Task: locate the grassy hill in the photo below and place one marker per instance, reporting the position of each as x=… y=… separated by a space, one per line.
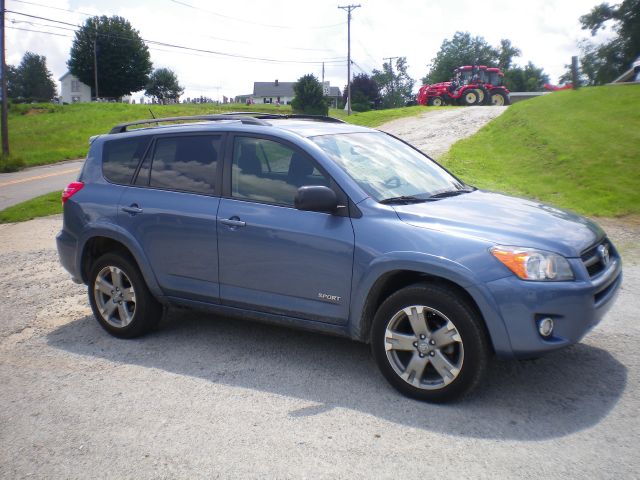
x=46 y=133
x=574 y=149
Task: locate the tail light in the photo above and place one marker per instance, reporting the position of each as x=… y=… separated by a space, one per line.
x=71 y=190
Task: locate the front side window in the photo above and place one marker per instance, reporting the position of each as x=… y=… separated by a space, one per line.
x=385 y=167
x=268 y=171
x=186 y=163
x=75 y=86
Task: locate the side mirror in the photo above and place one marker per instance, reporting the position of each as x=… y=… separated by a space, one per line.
x=316 y=198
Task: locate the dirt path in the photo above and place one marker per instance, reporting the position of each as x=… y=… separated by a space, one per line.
x=436 y=130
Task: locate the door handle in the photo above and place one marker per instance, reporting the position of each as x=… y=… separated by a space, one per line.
x=233 y=222
x=133 y=209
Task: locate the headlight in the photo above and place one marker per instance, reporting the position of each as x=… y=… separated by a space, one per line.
x=531 y=264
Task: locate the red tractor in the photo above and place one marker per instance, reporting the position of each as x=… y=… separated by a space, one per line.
x=471 y=85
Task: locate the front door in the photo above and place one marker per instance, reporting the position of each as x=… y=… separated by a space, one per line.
x=272 y=257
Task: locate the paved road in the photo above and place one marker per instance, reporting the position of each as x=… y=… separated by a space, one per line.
x=20 y=186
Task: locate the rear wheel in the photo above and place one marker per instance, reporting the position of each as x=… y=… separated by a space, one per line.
x=435 y=101
x=499 y=99
x=469 y=97
x=120 y=299
x=429 y=343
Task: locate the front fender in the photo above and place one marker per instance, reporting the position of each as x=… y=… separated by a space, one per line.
x=433 y=266
x=115 y=232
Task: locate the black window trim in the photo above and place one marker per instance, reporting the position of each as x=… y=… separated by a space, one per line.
x=150 y=152
x=343 y=199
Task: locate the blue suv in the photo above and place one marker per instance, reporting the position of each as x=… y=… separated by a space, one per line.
x=332 y=227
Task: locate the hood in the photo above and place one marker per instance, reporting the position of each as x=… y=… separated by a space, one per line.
x=505 y=220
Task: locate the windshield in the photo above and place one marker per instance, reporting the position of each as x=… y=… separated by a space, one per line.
x=384 y=167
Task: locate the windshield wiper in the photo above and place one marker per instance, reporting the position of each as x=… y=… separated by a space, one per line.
x=403 y=199
x=451 y=193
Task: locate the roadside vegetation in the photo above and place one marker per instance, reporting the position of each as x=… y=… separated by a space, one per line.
x=48 y=133
x=574 y=149
x=41 y=206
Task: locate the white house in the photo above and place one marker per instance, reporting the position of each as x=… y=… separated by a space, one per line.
x=73 y=90
x=282 y=93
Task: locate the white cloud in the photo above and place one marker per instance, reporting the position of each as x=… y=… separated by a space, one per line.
x=546 y=31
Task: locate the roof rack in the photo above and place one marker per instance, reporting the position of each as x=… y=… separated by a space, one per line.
x=302 y=116
x=122 y=127
x=248 y=118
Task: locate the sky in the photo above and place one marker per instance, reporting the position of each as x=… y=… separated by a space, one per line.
x=287 y=38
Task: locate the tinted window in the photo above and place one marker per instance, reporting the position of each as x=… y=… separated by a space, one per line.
x=185 y=163
x=268 y=171
x=120 y=158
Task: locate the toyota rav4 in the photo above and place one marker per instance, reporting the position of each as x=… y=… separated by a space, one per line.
x=332 y=227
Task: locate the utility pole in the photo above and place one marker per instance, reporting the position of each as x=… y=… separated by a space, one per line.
x=95 y=64
x=391 y=67
x=349 y=9
x=3 y=72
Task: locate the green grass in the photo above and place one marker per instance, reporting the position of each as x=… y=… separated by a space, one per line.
x=375 y=118
x=574 y=149
x=46 y=133
x=42 y=206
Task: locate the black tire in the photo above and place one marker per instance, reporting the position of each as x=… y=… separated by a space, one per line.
x=469 y=97
x=464 y=354
x=122 y=312
x=435 y=102
x=499 y=98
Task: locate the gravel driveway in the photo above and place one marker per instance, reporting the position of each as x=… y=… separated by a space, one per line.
x=207 y=397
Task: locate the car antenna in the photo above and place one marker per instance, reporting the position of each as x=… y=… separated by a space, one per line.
x=153 y=116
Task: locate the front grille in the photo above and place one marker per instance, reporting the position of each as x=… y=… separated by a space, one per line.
x=593 y=260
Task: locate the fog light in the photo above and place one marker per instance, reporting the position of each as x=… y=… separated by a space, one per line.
x=545 y=326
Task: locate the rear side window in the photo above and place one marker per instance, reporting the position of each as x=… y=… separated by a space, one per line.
x=185 y=163
x=120 y=158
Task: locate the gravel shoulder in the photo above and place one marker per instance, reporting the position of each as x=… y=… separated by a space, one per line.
x=436 y=130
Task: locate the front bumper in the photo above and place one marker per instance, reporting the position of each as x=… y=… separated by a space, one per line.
x=575 y=307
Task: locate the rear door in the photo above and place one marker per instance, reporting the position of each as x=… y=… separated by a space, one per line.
x=171 y=211
x=272 y=257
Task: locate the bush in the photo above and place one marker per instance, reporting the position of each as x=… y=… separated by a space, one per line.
x=11 y=164
x=309 y=98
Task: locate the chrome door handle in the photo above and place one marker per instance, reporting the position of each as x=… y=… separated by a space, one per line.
x=234 y=222
x=132 y=210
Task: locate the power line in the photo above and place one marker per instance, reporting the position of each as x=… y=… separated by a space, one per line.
x=241 y=20
x=183 y=47
x=53 y=8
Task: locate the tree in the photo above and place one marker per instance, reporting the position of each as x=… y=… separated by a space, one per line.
x=13 y=82
x=31 y=81
x=603 y=63
x=527 y=79
x=163 y=85
x=462 y=49
x=123 y=58
x=395 y=86
x=365 y=92
x=309 y=96
x=506 y=54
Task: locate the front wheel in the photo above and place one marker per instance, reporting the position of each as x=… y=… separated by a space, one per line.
x=499 y=99
x=435 y=102
x=469 y=97
x=429 y=343
x=120 y=299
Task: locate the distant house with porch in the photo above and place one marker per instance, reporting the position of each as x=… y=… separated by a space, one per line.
x=73 y=90
x=282 y=93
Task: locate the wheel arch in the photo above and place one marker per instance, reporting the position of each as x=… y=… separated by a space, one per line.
x=392 y=280
x=101 y=241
